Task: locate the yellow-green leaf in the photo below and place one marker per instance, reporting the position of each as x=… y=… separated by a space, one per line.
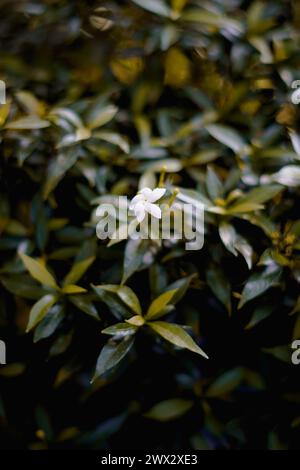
x=4 y=112
x=159 y=304
x=126 y=295
x=78 y=270
x=40 y=309
x=176 y=335
x=169 y=409
x=38 y=271
x=137 y=320
x=177 y=68
x=73 y=289
x=27 y=123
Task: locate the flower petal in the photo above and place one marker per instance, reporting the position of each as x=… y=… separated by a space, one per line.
x=146 y=192
x=138 y=198
x=153 y=209
x=140 y=211
x=156 y=194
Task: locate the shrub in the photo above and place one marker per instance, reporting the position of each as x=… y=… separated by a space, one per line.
x=108 y=342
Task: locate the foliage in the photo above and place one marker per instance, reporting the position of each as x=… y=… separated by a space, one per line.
x=109 y=343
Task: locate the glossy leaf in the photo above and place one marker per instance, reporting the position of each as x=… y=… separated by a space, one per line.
x=158 y=305
x=176 y=335
x=39 y=310
x=38 y=271
x=112 y=353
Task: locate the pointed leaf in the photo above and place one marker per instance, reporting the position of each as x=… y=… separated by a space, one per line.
x=73 y=289
x=27 y=123
x=176 y=335
x=85 y=304
x=169 y=409
x=259 y=283
x=38 y=271
x=49 y=323
x=112 y=353
x=158 y=305
x=103 y=117
x=120 y=329
x=213 y=184
x=78 y=270
x=226 y=136
x=39 y=310
x=154 y=6
x=126 y=295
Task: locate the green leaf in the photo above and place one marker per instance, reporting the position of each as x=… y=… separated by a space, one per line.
x=213 y=184
x=27 y=123
x=259 y=283
x=169 y=409
x=120 y=329
x=212 y=19
x=102 y=117
x=158 y=305
x=113 y=138
x=57 y=169
x=73 y=289
x=112 y=353
x=30 y=103
x=78 y=270
x=242 y=207
x=137 y=320
x=235 y=243
x=154 y=6
x=259 y=195
x=296 y=330
x=226 y=136
x=283 y=353
x=259 y=315
x=226 y=383
x=4 y=112
x=38 y=271
x=49 y=323
x=288 y=176
x=126 y=295
x=295 y=139
x=176 y=335
x=23 y=286
x=40 y=309
x=133 y=258
x=180 y=288
x=118 y=308
x=220 y=286
x=85 y=304
x=193 y=197
x=13 y=370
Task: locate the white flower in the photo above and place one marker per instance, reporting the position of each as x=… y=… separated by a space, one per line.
x=144 y=202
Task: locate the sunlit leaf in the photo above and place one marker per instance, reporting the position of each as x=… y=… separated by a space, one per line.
x=38 y=271
x=40 y=309
x=176 y=335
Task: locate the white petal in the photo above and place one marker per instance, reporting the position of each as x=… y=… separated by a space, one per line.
x=153 y=209
x=156 y=194
x=138 y=198
x=140 y=211
x=146 y=192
